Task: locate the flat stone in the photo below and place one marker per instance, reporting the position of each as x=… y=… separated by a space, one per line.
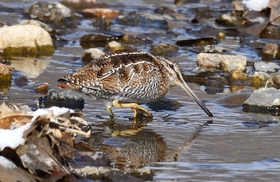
x=228 y=63
x=267 y=97
x=266 y=66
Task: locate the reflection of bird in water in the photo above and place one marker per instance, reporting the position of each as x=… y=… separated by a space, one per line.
x=135 y=151
x=128 y=78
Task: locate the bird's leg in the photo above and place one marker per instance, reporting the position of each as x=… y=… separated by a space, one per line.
x=109 y=109
x=133 y=106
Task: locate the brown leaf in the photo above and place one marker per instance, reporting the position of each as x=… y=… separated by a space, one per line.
x=37 y=155
x=15 y=174
x=12 y=119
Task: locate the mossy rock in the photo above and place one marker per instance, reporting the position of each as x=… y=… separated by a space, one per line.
x=46 y=50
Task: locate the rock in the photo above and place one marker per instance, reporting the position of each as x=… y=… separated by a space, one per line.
x=197 y=42
x=100 y=13
x=37 y=23
x=49 y=12
x=213 y=49
x=91 y=54
x=270 y=50
x=215 y=86
x=113 y=46
x=266 y=66
x=133 y=40
x=26 y=39
x=164 y=10
x=274 y=81
x=228 y=63
x=21 y=81
x=66 y=99
x=145 y=20
x=238 y=75
x=42 y=88
x=5 y=79
x=5 y=74
x=270 y=32
x=228 y=20
x=113 y=176
x=264 y=100
x=258 y=79
x=163 y=49
x=164 y=104
x=99 y=39
x=81 y=4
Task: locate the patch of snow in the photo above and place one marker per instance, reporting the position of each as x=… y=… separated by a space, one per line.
x=6 y=163
x=13 y=138
x=255 y=5
x=56 y=111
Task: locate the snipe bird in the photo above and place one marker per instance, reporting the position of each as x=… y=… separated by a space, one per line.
x=128 y=78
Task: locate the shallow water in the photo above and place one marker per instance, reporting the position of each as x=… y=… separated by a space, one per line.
x=183 y=148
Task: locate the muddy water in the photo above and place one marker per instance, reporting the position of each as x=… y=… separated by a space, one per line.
x=236 y=146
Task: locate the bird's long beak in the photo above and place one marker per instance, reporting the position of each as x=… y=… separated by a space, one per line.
x=184 y=85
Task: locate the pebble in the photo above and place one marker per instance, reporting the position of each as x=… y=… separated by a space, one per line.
x=101 y=13
x=270 y=49
x=92 y=53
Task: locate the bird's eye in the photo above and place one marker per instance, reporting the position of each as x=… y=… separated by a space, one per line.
x=171 y=66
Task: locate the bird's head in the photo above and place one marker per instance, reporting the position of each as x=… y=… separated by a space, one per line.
x=175 y=77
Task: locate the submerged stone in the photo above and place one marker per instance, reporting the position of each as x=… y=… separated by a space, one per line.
x=163 y=49
x=145 y=20
x=100 y=39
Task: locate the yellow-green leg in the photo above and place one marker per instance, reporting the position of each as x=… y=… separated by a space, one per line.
x=109 y=109
x=133 y=106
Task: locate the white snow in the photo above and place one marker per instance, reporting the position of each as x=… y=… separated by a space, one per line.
x=255 y=5
x=13 y=138
x=6 y=163
x=56 y=111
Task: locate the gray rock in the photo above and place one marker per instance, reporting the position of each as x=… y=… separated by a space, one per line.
x=213 y=49
x=49 y=12
x=266 y=97
x=266 y=66
x=66 y=99
x=228 y=63
x=146 y=20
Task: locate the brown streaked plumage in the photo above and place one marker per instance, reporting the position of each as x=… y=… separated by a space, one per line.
x=128 y=78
